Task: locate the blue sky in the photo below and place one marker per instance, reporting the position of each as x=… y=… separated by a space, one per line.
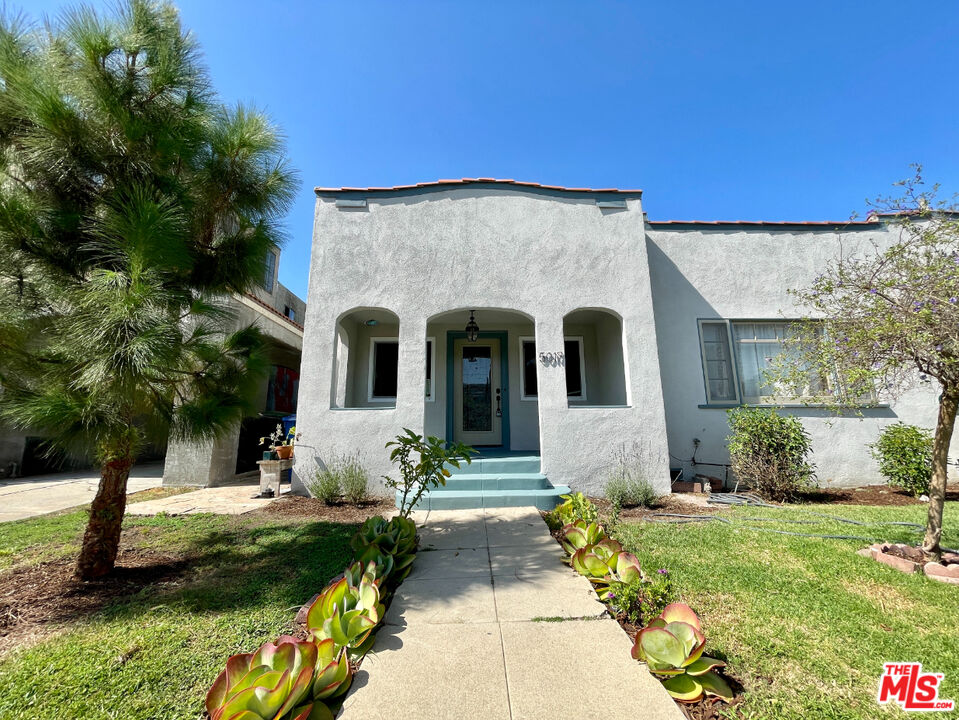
x=732 y=110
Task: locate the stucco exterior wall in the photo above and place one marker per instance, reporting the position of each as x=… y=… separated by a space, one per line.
x=734 y=272
x=542 y=254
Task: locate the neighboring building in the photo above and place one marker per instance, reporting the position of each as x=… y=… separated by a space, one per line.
x=279 y=315
x=600 y=334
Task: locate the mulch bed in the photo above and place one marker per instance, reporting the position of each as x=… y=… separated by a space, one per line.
x=870 y=495
x=37 y=600
x=304 y=507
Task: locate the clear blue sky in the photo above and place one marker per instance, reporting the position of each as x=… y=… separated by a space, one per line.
x=718 y=110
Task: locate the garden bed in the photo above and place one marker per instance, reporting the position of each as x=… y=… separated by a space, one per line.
x=875 y=495
x=296 y=506
x=910 y=559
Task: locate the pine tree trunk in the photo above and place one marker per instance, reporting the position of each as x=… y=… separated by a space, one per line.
x=102 y=537
x=948 y=403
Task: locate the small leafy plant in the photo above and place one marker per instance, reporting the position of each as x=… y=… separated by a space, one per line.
x=280 y=439
x=575 y=506
x=355 y=480
x=672 y=648
x=904 y=453
x=343 y=476
x=769 y=452
x=422 y=464
x=642 y=599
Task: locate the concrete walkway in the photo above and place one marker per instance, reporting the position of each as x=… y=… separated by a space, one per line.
x=226 y=500
x=40 y=494
x=491 y=624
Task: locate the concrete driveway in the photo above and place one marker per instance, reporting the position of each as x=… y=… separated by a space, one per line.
x=40 y=494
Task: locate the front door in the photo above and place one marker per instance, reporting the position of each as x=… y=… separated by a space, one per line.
x=477 y=396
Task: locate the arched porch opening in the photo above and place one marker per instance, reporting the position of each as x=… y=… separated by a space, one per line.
x=365 y=359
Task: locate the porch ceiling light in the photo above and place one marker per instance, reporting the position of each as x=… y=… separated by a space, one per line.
x=472 y=329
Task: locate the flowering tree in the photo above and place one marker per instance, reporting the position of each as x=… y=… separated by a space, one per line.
x=890 y=316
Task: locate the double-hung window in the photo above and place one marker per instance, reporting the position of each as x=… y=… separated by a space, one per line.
x=737 y=355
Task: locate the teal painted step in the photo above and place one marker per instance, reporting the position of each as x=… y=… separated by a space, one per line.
x=509 y=465
x=442 y=499
x=495 y=481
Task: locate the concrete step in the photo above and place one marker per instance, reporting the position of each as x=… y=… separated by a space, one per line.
x=495 y=481
x=544 y=499
x=510 y=464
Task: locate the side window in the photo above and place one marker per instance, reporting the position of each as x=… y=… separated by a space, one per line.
x=528 y=370
x=430 y=361
x=718 y=368
x=384 y=363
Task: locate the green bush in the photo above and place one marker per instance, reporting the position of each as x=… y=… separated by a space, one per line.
x=768 y=452
x=904 y=453
x=422 y=464
x=642 y=600
x=575 y=506
x=628 y=487
x=355 y=480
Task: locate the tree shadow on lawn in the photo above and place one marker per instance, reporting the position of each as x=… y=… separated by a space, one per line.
x=234 y=568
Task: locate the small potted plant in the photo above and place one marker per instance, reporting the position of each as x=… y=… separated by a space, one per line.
x=282 y=444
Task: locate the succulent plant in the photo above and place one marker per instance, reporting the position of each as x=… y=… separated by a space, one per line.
x=333 y=673
x=348 y=610
x=272 y=683
x=379 y=538
x=579 y=534
x=672 y=646
x=604 y=563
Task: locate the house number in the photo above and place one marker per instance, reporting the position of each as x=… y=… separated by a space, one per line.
x=556 y=359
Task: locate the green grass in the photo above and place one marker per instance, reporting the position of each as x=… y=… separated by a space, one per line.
x=155 y=653
x=806 y=623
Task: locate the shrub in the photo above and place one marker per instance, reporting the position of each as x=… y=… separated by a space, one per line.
x=904 y=453
x=626 y=487
x=768 y=452
x=576 y=506
x=643 y=599
x=326 y=485
x=355 y=480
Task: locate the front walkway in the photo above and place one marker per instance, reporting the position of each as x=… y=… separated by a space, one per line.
x=223 y=500
x=40 y=494
x=491 y=624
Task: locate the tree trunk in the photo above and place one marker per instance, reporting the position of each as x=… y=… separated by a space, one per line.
x=102 y=537
x=948 y=403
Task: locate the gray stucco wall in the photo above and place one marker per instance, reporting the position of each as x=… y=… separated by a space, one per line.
x=537 y=253
x=735 y=272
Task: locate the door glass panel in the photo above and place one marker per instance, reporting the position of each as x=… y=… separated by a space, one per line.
x=477 y=393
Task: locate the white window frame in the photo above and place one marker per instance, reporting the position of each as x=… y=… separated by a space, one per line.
x=522 y=370
x=581 y=398
x=733 y=361
x=431 y=359
x=371 y=368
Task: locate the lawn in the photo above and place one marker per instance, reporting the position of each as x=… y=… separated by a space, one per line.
x=195 y=589
x=806 y=623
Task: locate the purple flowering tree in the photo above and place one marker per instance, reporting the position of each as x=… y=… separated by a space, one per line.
x=890 y=318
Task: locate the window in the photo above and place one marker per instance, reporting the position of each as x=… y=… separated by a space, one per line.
x=736 y=356
x=575 y=368
x=430 y=362
x=384 y=363
x=527 y=346
x=269 y=271
x=289 y=312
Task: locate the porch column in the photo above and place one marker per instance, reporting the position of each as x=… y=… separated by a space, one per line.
x=550 y=382
x=411 y=374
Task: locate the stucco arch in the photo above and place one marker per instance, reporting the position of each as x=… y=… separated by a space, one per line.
x=364 y=335
x=595 y=357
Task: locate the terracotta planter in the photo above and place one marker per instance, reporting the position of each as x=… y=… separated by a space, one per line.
x=284 y=452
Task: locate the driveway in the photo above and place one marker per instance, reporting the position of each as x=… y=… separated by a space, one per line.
x=40 y=494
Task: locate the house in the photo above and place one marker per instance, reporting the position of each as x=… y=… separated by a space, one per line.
x=279 y=314
x=559 y=329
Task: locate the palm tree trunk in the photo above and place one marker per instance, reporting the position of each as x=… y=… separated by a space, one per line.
x=948 y=404
x=102 y=537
